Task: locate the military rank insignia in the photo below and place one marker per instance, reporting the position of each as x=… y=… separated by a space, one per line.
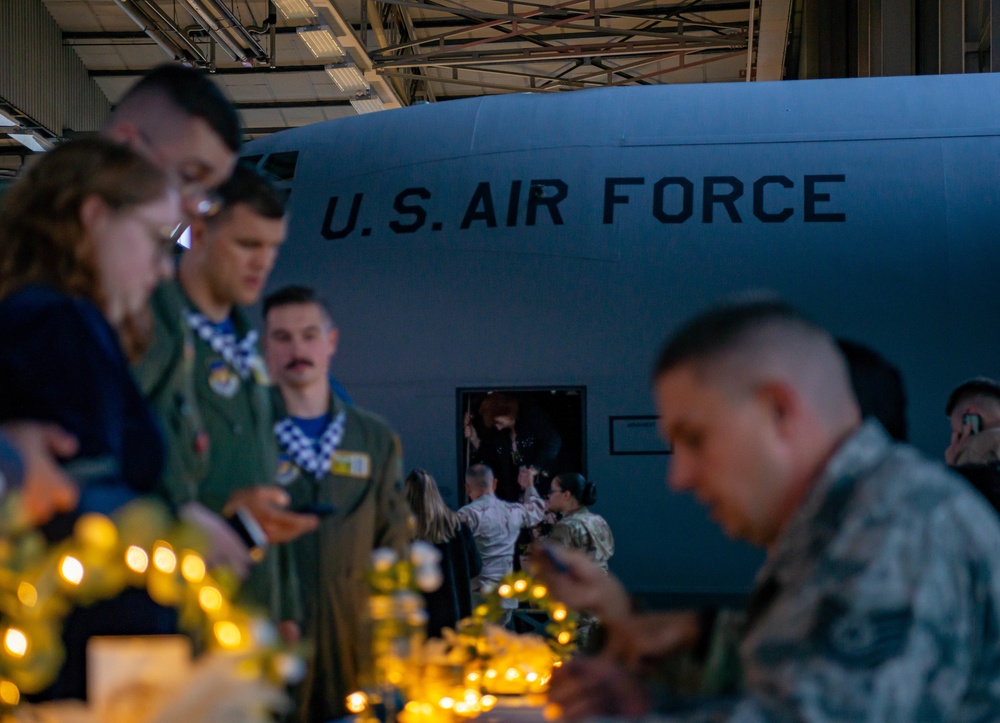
x=351 y=464
x=288 y=472
x=223 y=380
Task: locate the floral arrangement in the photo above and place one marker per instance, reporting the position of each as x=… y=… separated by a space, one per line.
x=460 y=675
x=142 y=546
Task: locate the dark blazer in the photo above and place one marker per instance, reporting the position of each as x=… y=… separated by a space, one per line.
x=60 y=361
x=453 y=600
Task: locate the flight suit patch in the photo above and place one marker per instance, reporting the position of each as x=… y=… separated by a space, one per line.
x=288 y=471
x=223 y=380
x=351 y=464
x=259 y=370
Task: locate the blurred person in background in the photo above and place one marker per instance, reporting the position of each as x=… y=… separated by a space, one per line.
x=460 y=562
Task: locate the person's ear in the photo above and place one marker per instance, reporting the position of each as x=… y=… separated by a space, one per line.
x=199 y=232
x=127 y=134
x=93 y=213
x=332 y=340
x=782 y=406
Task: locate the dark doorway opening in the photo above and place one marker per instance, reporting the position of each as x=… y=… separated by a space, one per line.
x=542 y=413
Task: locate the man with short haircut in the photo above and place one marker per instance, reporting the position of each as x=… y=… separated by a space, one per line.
x=181 y=121
x=880 y=595
x=335 y=455
x=973 y=408
x=208 y=384
x=496 y=524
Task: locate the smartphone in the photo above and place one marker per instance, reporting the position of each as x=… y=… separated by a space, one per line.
x=317 y=508
x=551 y=557
x=974 y=421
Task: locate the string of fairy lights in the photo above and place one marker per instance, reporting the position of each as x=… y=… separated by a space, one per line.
x=143 y=547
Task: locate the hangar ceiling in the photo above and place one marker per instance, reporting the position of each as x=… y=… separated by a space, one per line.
x=411 y=50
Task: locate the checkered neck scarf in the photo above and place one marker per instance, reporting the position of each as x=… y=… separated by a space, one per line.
x=311 y=458
x=238 y=354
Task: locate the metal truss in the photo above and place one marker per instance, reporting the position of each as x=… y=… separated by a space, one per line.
x=525 y=45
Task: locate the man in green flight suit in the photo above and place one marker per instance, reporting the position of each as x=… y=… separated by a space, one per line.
x=208 y=383
x=333 y=454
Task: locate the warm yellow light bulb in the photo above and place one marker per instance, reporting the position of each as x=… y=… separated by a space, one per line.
x=564 y=637
x=71 y=570
x=357 y=702
x=559 y=614
x=164 y=558
x=228 y=634
x=491 y=673
x=472 y=677
x=487 y=702
x=505 y=590
x=520 y=585
x=15 y=642
x=136 y=559
x=95 y=530
x=9 y=694
x=462 y=707
x=531 y=677
x=539 y=591
x=446 y=703
x=27 y=594
x=193 y=568
x=210 y=599
x=512 y=674
x=471 y=697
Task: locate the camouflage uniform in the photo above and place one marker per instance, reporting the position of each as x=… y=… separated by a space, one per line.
x=583 y=530
x=881 y=600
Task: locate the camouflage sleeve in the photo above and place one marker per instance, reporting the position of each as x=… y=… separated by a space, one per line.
x=891 y=624
x=531 y=510
x=466 y=515
x=393 y=510
x=563 y=534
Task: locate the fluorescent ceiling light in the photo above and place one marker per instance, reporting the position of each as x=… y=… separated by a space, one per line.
x=6 y=120
x=32 y=140
x=348 y=78
x=295 y=9
x=320 y=41
x=368 y=105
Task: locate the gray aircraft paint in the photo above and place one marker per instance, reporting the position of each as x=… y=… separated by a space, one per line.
x=890 y=240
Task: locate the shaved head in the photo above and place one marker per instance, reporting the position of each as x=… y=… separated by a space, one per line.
x=479 y=477
x=738 y=347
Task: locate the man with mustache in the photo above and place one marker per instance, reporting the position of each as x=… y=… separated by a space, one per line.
x=336 y=455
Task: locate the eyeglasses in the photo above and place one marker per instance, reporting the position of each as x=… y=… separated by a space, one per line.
x=206 y=202
x=191 y=186
x=165 y=237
